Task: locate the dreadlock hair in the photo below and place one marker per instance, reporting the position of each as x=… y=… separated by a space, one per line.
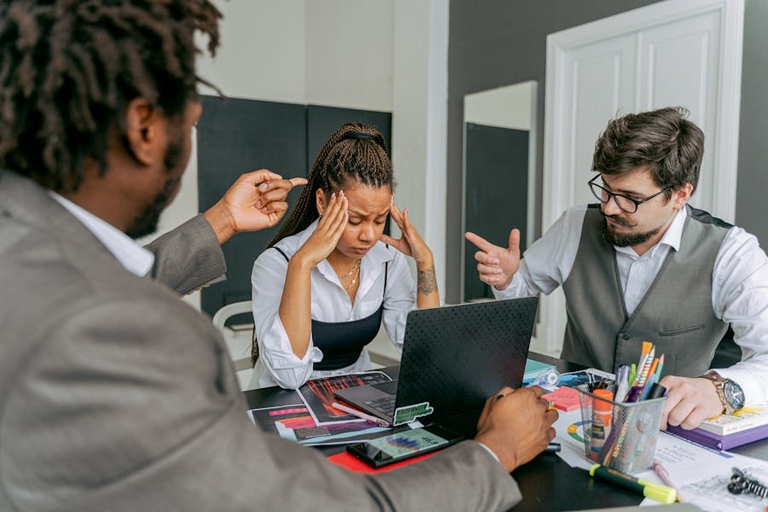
x=354 y=152
x=663 y=140
x=68 y=69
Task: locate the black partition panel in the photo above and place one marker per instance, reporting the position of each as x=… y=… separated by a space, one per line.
x=496 y=193
x=236 y=136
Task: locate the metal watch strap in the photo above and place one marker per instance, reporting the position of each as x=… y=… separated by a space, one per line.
x=717 y=380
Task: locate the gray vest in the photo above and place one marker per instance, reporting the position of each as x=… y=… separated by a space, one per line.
x=675 y=314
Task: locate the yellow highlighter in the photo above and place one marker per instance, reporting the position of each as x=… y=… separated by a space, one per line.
x=658 y=492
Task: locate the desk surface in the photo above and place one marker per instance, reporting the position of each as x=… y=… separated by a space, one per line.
x=575 y=489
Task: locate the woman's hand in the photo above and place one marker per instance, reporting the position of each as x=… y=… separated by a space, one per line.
x=411 y=243
x=323 y=241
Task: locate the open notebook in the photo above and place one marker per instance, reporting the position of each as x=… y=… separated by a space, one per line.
x=454 y=358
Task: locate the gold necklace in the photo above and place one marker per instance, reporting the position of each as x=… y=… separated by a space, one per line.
x=356 y=271
x=352 y=270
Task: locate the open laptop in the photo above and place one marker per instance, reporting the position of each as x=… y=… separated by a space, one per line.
x=454 y=358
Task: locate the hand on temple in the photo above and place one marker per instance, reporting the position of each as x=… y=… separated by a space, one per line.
x=411 y=243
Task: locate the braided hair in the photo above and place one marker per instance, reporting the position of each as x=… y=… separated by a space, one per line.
x=69 y=68
x=354 y=152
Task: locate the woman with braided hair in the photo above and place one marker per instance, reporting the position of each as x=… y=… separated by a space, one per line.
x=331 y=277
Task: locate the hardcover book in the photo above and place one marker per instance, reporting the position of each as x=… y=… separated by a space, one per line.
x=745 y=419
x=720 y=442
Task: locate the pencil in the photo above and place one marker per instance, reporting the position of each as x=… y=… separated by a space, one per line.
x=662 y=473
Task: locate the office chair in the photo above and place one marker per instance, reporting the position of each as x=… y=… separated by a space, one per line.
x=238 y=337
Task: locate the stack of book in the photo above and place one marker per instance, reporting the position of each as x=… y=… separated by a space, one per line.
x=729 y=430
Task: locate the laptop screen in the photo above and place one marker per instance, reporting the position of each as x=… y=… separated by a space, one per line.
x=455 y=357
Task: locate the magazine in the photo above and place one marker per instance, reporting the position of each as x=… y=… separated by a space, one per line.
x=317 y=395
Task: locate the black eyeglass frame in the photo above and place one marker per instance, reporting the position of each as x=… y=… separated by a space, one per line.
x=613 y=196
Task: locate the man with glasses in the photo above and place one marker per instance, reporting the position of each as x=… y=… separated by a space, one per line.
x=643 y=265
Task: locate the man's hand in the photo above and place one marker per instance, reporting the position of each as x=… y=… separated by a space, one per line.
x=689 y=401
x=257 y=200
x=517 y=426
x=496 y=265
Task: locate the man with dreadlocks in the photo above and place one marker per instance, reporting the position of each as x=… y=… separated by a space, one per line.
x=114 y=394
x=327 y=283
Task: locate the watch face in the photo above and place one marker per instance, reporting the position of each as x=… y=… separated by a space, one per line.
x=733 y=394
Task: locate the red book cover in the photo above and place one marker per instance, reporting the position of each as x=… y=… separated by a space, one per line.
x=355 y=465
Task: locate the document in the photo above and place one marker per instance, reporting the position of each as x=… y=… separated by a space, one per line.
x=702 y=475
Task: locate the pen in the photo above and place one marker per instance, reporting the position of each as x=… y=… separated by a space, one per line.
x=360 y=414
x=552 y=448
x=662 y=473
x=658 y=492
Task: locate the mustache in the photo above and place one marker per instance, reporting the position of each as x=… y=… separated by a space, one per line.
x=619 y=220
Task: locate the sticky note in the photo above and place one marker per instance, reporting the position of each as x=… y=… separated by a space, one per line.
x=564 y=398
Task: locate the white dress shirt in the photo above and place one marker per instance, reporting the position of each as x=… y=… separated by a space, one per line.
x=277 y=364
x=136 y=259
x=739 y=285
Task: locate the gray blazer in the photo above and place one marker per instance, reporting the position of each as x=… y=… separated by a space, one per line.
x=115 y=395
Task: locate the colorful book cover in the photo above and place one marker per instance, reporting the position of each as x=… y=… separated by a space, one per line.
x=746 y=418
x=534 y=368
x=317 y=395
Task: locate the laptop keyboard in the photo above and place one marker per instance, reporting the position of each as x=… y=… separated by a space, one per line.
x=385 y=405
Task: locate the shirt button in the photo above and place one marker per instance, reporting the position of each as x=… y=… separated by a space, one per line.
x=625 y=336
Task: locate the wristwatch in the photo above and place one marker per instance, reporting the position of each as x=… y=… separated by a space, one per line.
x=731 y=395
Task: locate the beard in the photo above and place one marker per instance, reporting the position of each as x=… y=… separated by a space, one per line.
x=625 y=239
x=146 y=223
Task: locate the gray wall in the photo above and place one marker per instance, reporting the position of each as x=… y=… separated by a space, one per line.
x=752 y=187
x=500 y=42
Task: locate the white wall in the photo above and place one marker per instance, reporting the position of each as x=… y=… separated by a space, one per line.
x=381 y=55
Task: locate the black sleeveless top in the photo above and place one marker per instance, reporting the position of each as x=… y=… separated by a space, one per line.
x=342 y=342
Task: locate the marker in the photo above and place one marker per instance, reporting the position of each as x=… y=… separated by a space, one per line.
x=658 y=492
x=661 y=472
x=552 y=448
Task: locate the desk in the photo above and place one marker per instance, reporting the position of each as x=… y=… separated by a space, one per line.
x=547 y=483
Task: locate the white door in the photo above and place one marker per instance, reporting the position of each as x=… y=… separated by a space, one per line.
x=677 y=52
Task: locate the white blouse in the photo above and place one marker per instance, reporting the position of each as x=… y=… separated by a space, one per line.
x=277 y=364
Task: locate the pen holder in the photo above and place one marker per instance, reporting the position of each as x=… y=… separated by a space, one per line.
x=621 y=436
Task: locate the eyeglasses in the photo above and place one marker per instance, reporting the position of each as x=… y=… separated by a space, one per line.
x=626 y=204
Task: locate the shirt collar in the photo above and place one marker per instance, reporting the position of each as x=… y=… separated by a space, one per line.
x=134 y=258
x=674 y=233
x=671 y=238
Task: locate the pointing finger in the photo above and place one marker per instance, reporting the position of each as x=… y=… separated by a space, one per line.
x=480 y=242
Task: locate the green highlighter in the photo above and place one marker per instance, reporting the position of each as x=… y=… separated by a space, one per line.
x=658 y=492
